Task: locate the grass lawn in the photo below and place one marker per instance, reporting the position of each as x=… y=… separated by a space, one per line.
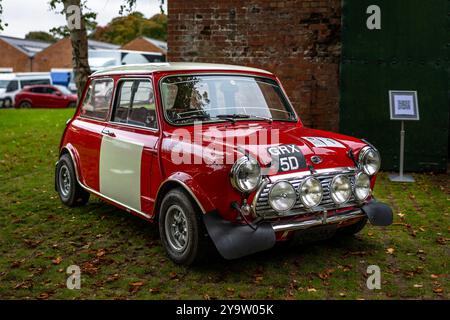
x=120 y=256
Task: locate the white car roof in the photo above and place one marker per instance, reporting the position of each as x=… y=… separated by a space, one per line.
x=174 y=66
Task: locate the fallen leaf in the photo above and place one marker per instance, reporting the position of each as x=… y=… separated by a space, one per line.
x=230 y=290
x=206 y=296
x=342 y=294
x=101 y=253
x=390 y=250
x=136 y=286
x=244 y=295
x=434 y=276
x=154 y=290
x=57 y=260
x=418 y=286
x=312 y=290
x=401 y=215
x=438 y=290
x=173 y=275
x=43 y=296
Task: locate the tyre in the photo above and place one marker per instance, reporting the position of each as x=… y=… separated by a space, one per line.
x=181 y=229
x=72 y=105
x=353 y=228
x=7 y=103
x=25 y=105
x=69 y=190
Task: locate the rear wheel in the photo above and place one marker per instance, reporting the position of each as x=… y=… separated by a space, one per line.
x=25 y=105
x=72 y=105
x=69 y=190
x=181 y=229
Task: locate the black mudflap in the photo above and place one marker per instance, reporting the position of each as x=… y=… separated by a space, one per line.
x=234 y=241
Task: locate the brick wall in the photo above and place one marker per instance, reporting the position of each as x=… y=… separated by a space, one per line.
x=58 y=55
x=298 y=40
x=10 y=57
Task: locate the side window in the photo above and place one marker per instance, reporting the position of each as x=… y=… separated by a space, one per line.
x=98 y=99
x=135 y=104
x=25 y=83
x=39 y=90
x=12 y=86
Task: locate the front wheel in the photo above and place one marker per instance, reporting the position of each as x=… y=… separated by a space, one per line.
x=7 y=103
x=182 y=232
x=25 y=105
x=69 y=190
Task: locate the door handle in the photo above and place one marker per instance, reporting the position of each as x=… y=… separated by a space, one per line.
x=108 y=133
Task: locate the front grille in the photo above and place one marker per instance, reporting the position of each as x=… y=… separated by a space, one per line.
x=263 y=209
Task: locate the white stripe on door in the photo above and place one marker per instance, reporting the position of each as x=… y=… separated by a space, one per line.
x=120 y=171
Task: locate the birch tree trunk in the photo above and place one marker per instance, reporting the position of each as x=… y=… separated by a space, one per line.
x=78 y=38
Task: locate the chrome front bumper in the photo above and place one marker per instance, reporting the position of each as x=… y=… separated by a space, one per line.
x=318 y=221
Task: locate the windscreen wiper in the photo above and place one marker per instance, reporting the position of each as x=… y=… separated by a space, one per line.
x=194 y=116
x=234 y=116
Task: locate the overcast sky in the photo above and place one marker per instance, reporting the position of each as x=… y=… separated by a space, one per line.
x=23 y=16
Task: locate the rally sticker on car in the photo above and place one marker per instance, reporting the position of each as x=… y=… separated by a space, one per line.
x=324 y=142
x=287 y=157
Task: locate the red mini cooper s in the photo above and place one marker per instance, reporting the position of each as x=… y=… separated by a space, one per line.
x=217 y=156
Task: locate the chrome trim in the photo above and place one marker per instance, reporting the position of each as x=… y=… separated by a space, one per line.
x=354 y=187
x=361 y=156
x=318 y=221
x=308 y=173
x=261 y=208
x=331 y=189
x=235 y=169
x=300 y=192
x=270 y=191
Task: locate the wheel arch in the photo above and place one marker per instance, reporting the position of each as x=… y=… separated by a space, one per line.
x=187 y=184
x=19 y=101
x=71 y=151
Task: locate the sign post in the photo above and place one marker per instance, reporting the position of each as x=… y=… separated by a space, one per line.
x=404 y=106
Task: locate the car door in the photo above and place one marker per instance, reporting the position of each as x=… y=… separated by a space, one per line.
x=86 y=130
x=129 y=147
x=35 y=95
x=58 y=100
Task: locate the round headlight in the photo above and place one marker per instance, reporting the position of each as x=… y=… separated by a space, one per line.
x=245 y=174
x=370 y=160
x=362 y=186
x=282 y=196
x=311 y=192
x=340 y=189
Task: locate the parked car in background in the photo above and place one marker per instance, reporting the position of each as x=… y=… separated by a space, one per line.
x=186 y=145
x=17 y=81
x=45 y=96
x=5 y=78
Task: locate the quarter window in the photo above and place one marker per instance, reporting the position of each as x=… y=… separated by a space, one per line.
x=98 y=99
x=135 y=104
